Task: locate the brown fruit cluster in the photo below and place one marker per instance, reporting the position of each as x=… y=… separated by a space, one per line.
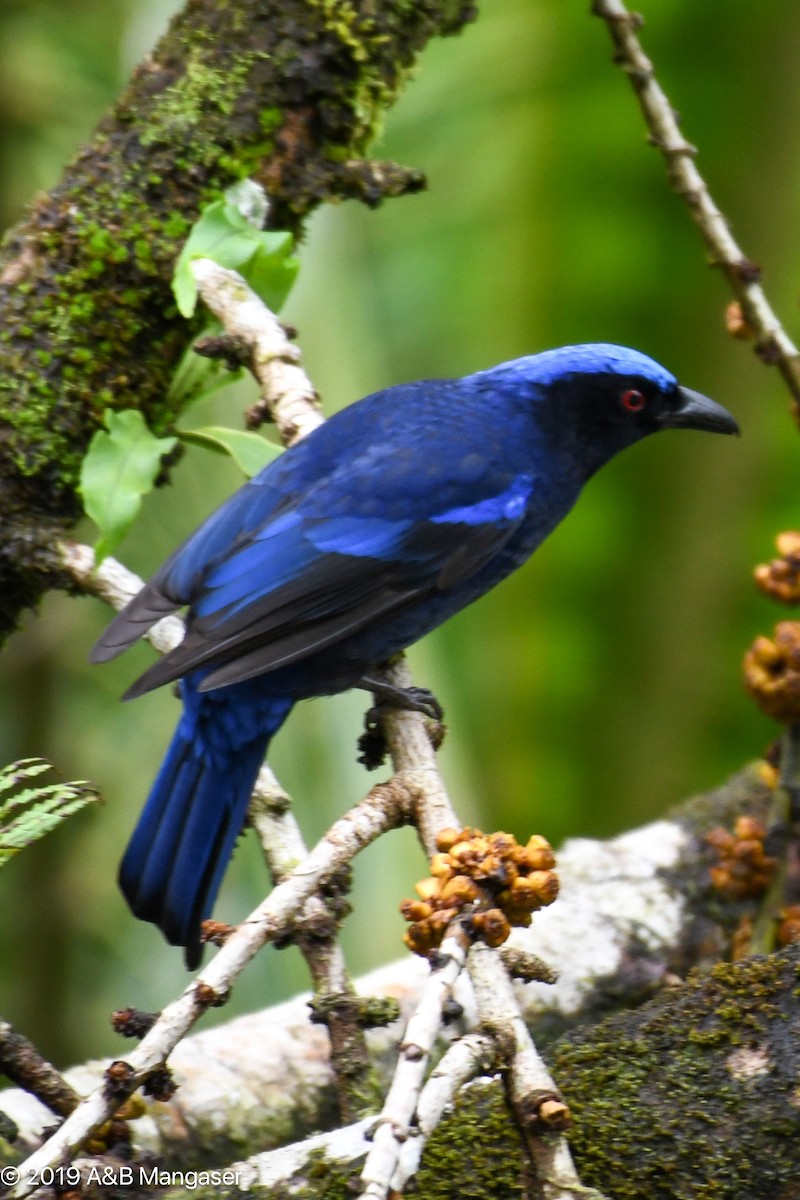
x=772 y=672
x=744 y=871
x=489 y=879
x=780 y=578
x=115 y=1133
x=789 y=927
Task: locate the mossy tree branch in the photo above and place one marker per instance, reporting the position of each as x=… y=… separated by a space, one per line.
x=290 y=93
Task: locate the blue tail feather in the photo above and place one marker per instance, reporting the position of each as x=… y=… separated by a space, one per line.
x=174 y=864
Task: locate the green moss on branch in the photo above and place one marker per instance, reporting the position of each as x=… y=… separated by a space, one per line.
x=291 y=92
x=695 y=1094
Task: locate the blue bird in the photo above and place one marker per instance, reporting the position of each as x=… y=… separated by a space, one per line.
x=382 y=523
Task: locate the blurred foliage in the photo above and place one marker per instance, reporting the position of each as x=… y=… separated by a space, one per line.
x=602 y=682
x=29 y=811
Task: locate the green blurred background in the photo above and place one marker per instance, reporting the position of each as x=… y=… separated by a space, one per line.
x=599 y=685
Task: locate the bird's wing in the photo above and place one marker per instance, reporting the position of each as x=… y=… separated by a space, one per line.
x=298 y=583
x=174 y=583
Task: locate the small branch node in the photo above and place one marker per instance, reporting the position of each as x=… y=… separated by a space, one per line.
x=768 y=350
x=119 y=1079
x=747 y=271
x=216 y=933
x=210 y=997
x=234 y=352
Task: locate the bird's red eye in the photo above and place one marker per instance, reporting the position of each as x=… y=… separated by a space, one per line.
x=633 y=400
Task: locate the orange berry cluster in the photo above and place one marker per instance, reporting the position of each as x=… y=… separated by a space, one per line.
x=789 y=927
x=489 y=879
x=780 y=578
x=744 y=870
x=772 y=672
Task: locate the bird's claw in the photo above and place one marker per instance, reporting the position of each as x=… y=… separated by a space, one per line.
x=372 y=742
x=410 y=699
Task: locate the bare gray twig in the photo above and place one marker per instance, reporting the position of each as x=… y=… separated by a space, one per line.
x=772 y=342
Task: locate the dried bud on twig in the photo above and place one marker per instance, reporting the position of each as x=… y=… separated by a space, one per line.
x=216 y=933
x=736 y=323
x=131 y=1022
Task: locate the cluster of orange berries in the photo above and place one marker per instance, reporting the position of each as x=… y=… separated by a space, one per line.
x=744 y=870
x=780 y=578
x=772 y=665
x=488 y=879
x=772 y=672
x=789 y=925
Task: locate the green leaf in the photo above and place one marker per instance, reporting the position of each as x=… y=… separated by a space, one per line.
x=31 y=812
x=120 y=467
x=222 y=234
x=249 y=451
x=272 y=269
x=228 y=232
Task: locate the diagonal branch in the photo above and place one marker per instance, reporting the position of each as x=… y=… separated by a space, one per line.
x=400 y=1106
x=335 y=1003
x=772 y=342
x=384 y=808
x=499 y=1013
x=22 y=1063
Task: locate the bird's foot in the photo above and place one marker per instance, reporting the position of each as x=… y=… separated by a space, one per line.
x=372 y=742
x=411 y=699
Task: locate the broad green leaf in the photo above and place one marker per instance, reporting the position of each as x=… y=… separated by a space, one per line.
x=228 y=231
x=119 y=468
x=272 y=269
x=248 y=450
x=222 y=234
x=31 y=812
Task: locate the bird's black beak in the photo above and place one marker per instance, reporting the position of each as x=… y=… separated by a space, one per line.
x=695 y=411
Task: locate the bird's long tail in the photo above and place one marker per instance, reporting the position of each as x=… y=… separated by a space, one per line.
x=174 y=864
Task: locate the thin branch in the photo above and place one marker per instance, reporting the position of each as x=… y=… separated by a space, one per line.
x=287 y=393
x=394 y=1124
x=414 y=756
x=470 y=1056
x=279 y=1169
x=772 y=342
x=335 y=1002
x=22 y=1063
x=533 y=1095
x=384 y=808
x=115 y=584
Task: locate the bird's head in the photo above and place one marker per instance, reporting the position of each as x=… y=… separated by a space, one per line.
x=595 y=399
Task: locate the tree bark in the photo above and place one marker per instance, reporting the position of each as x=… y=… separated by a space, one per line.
x=290 y=93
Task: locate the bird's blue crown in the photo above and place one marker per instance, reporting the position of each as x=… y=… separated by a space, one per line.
x=591 y=358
